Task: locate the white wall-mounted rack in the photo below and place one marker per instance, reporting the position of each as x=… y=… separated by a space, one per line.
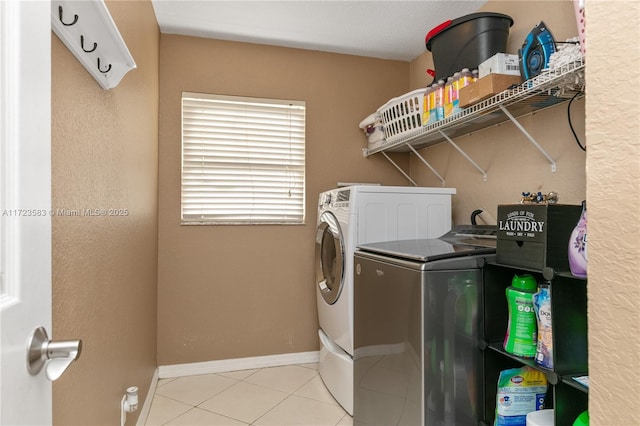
x=88 y=31
x=543 y=91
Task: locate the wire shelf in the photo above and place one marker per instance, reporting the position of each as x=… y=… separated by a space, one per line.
x=545 y=90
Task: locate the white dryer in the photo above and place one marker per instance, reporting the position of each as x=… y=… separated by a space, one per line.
x=348 y=217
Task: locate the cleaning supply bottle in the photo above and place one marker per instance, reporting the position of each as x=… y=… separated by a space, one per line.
x=455 y=93
x=475 y=75
x=466 y=78
x=440 y=100
x=542 y=306
x=578 y=246
x=521 y=337
x=448 y=97
x=433 y=114
x=426 y=106
x=451 y=95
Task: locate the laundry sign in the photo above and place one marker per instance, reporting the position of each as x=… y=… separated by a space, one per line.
x=521 y=223
x=535 y=235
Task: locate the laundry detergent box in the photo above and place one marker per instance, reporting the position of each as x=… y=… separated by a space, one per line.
x=535 y=236
x=520 y=392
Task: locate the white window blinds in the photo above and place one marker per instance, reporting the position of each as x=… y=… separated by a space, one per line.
x=243 y=160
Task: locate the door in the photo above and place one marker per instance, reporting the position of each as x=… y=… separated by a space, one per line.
x=25 y=203
x=329 y=258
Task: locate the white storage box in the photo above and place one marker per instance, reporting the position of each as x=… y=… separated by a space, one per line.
x=402 y=114
x=500 y=63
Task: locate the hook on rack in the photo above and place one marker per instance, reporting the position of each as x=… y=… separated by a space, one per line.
x=75 y=18
x=105 y=71
x=95 y=46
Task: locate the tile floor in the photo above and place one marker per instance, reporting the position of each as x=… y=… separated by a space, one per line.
x=287 y=395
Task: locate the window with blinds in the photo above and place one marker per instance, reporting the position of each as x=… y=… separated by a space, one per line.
x=243 y=160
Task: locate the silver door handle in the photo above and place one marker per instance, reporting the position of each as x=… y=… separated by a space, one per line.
x=57 y=356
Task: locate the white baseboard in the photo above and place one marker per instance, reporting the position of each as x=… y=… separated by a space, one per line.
x=146 y=407
x=220 y=366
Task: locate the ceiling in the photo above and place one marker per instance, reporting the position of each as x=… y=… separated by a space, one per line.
x=391 y=29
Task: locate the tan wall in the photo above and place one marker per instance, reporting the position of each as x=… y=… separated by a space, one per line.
x=512 y=163
x=613 y=180
x=239 y=291
x=104 y=155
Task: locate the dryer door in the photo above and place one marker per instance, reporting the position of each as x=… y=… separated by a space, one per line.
x=329 y=258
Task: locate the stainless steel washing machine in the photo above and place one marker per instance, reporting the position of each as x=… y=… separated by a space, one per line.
x=417 y=313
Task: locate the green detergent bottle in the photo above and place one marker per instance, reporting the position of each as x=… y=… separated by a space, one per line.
x=582 y=420
x=521 y=337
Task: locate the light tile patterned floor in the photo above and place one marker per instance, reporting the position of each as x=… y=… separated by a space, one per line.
x=287 y=395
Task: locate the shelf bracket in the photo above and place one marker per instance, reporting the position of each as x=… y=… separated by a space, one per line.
x=531 y=139
x=399 y=168
x=464 y=154
x=426 y=164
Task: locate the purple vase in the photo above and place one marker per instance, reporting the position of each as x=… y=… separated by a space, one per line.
x=578 y=246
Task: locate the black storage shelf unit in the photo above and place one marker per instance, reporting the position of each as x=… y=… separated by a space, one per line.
x=571 y=382
x=569 y=321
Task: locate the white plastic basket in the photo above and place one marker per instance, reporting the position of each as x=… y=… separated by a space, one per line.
x=402 y=114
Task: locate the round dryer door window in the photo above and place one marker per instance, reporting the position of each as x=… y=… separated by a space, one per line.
x=329 y=258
